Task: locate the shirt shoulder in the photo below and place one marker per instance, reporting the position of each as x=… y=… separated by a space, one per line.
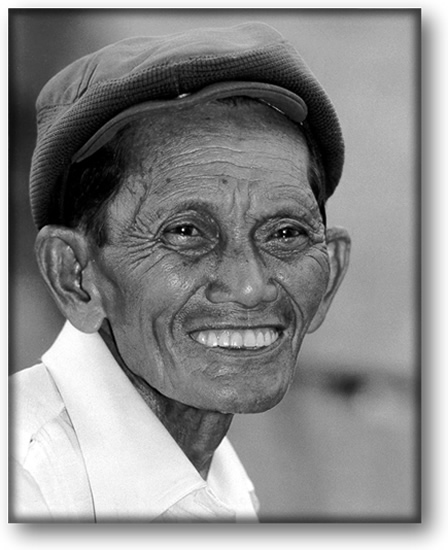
x=34 y=401
x=46 y=465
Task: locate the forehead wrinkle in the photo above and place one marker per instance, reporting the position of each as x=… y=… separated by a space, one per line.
x=220 y=160
x=225 y=155
x=172 y=165
x=189 y=200
x=224 y=146
x=242 y=196
x=179 y=132
x=209 y=171
x=218 y=128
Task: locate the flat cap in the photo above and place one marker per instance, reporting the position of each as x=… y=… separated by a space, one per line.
x=92 y=93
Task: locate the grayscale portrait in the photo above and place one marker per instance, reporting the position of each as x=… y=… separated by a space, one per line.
x=212 y=277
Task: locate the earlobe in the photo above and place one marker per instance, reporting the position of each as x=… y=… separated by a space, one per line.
x=338 y=246
x=64 y=261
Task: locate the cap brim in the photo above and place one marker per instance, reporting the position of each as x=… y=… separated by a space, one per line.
x=288 y=103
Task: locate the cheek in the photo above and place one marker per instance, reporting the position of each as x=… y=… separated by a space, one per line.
x=306 y=282
x=130 y=287
x=168 y=289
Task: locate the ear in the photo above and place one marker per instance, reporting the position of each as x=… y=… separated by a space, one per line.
x=64 y=258
x=338 y=246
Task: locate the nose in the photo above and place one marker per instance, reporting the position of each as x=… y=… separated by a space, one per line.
x=242 y=279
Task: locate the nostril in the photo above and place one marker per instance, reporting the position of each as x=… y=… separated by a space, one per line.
x=216 y=292
x=271 y=292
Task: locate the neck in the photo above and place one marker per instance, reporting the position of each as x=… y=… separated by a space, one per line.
x=197 y=432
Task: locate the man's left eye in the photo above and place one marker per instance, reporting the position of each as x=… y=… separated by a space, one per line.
x=286 y=233
x=284 y=239
x=186 y=230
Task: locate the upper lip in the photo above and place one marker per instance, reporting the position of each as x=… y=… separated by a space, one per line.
x=237 y=325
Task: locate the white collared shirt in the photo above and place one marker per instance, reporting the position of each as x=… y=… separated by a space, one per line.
x=86 y=447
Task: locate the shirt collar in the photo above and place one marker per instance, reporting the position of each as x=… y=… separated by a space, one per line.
x=117 y=432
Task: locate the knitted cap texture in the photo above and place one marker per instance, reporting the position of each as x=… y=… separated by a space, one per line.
x=84 y=96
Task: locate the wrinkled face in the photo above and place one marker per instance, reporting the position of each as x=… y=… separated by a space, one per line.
x=216 y=260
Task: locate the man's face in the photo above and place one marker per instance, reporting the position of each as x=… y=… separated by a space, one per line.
x=216 y=260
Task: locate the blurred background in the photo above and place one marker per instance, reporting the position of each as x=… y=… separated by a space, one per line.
x=344 y=445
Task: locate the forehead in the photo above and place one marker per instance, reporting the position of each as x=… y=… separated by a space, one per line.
x=230 y=122
x=216 y=147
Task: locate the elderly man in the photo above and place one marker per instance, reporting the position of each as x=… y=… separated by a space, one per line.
x=179 y=187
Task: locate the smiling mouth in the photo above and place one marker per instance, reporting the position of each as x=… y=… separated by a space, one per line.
x=237 y=339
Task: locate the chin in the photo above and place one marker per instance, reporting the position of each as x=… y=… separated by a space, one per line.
x=246 y=401
x=254 y=408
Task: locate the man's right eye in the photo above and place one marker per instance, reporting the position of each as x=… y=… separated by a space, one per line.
x=186 y=236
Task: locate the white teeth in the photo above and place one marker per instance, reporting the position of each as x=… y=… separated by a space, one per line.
x=269 y=337
x=224 y=339
x=260 y=339
x=212 y=340
x=251 y=338
x=236 y=340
